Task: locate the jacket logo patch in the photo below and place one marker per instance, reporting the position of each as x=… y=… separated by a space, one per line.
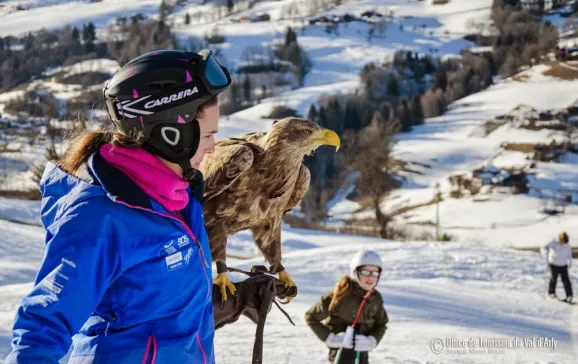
x=174 y=261
x=171 y=250
x=183 y=240
x=188 y=255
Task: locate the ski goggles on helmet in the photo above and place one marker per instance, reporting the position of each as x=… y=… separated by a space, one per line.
x=367 y=273
x=215 y=77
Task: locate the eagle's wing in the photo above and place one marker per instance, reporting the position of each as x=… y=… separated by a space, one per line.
x=231 y=159
x=255 y=138
x=300 y=189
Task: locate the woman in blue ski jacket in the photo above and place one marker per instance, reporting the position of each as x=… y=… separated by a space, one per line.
x=126 y=277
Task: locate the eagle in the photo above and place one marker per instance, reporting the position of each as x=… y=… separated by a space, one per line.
x=251 y=182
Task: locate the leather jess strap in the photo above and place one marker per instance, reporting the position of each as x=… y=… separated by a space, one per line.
x=254 y=298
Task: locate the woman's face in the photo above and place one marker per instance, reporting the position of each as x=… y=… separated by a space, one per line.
x=368 y=281
x=208 y=124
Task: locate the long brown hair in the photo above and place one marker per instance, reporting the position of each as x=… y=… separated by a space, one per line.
x=340 y=290
x=84 y=143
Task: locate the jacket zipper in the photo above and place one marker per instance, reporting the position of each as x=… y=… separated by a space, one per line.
x=152 y=341
x=202 y=350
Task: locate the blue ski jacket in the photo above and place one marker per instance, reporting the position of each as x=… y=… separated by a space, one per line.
x=122 y=280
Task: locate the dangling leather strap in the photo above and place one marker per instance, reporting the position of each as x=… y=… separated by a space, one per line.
x=267 y=294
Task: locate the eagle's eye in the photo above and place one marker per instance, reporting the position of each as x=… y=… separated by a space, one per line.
x=308 y=131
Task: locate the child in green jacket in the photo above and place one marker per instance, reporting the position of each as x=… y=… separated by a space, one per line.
x=356 y=317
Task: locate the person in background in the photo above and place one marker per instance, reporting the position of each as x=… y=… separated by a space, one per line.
x=357 y=320
x=559 y=256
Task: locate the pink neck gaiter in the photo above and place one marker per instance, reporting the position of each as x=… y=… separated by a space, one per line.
x=150 y=174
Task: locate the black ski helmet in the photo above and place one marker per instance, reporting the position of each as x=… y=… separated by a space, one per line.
x=158 y=94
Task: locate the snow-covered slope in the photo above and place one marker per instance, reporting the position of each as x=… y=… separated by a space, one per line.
x=450 y=144
x=52 y=14
x=431 y=291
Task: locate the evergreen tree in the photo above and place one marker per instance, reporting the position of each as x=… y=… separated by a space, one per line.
x=351 y=117
x=415 y=109
x=312 y=114
x=357 y=114
x=164 y=10
x=234 y=103
x=322 y=117
x=247 y=89
x=89 y=33
x=404 y=116
x=290 y=37
x=393 y=87
x=385 y=110
x=75 y=34
x=334 y=114
x=441 y=80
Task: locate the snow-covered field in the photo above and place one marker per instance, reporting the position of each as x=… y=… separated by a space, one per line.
x=431 y=291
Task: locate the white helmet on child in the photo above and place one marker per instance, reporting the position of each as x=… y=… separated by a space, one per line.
x=361 y=258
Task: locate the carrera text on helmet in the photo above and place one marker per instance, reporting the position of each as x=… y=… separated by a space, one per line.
x=171 y=98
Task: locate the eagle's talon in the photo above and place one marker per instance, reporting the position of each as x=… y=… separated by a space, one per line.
x=286 y=278
x=223 y=282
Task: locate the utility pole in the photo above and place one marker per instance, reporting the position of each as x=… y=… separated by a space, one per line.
x=438 y=198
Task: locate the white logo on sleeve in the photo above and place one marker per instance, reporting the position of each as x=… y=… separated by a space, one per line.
x=54 y=282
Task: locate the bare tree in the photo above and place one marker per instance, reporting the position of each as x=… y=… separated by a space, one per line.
x=474 y=26
x=37 y=170
x=368 y=155
x=433 y=103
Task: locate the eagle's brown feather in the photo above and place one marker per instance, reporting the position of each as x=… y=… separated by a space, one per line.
x=300 y=189
x=235 y=157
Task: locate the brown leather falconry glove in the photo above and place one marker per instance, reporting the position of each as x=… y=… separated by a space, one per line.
x=254 y=298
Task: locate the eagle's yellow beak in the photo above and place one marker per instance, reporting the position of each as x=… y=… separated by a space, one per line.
x=326 y=137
